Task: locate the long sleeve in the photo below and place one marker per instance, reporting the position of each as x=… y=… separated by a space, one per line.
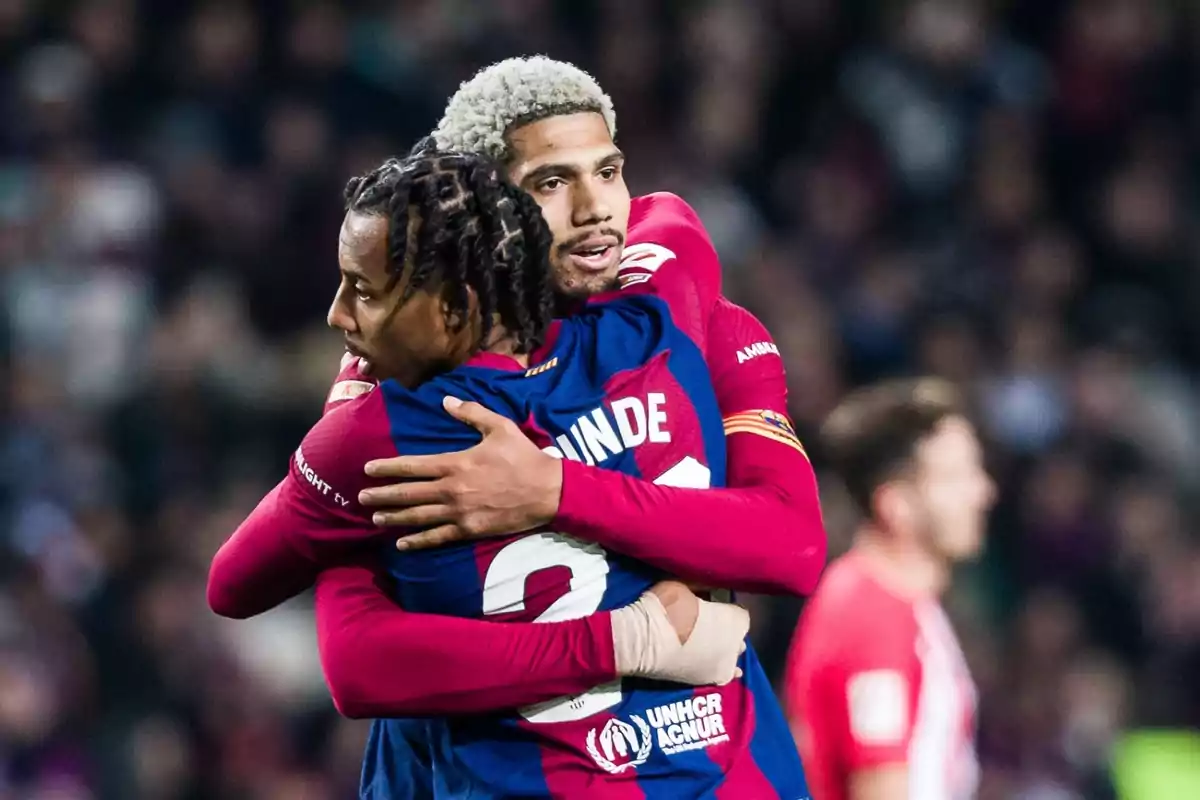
x=311 y=518
x=764 y=533
x=261 y=565
x=381 y=661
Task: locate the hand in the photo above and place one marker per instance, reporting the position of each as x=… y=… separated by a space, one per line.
x=503 y=485
x=681 y=605
x=670 y=634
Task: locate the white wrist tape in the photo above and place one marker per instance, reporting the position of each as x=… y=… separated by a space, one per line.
x=648 y=647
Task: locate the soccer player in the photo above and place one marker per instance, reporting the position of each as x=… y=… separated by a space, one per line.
x=878 y=693
x=553 y=127
x=431 y=280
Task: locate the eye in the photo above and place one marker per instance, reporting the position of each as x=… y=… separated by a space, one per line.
x=609 y=173
x=550 y=184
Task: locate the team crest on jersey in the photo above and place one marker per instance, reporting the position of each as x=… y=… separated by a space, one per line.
x=765 y=423
x=690 y=724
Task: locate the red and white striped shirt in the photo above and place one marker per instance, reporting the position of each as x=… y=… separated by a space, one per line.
x=877 y=678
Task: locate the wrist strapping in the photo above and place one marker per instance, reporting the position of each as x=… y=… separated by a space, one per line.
x=647 y=646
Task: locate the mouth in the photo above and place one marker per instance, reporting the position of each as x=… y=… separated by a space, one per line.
x=364 y=365
x=596 y=254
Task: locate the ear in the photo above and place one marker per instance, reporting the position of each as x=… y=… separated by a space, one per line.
x=455 y=319
x=890 y=507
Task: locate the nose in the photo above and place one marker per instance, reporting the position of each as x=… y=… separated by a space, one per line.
x=990 y=490
x=590 y=206
x=339 y=316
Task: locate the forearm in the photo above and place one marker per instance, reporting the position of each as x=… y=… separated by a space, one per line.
x=381 y=661
x=764 y=534
x=258 y=567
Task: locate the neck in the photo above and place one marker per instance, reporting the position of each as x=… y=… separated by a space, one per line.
x=502 y=344
x=904 y=568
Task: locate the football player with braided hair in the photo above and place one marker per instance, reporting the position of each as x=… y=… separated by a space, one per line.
x=552 y=128
x=445 y=289
x=456 y=226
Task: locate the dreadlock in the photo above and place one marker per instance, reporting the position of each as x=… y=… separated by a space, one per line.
x=455 y=221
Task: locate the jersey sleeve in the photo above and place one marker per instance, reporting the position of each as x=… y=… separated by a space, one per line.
x=861 y=702
x=671 y=255
x=310 y=518
x=380 y=660
x=700 y=535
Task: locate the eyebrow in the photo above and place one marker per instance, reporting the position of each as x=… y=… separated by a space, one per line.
x=559 y=169
x=354 y=275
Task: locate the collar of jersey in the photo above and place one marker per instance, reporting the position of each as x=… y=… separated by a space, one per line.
x=495 y=361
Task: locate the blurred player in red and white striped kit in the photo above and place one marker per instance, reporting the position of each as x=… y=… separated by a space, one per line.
x=877 y=691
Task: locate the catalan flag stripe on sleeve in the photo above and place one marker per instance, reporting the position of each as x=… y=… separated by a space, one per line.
x=768 y=424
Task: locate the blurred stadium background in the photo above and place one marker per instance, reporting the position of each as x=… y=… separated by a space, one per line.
x=1000 y=192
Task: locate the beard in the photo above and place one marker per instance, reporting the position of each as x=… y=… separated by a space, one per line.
x=579 y=287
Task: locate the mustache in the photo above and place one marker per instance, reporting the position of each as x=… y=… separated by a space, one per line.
x=575 y=241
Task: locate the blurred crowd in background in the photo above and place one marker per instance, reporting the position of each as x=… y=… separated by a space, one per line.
x=999 y=192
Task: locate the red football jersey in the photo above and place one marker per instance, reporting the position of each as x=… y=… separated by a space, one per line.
x=877 y=678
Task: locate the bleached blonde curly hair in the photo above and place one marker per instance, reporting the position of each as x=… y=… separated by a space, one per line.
x=512 y=93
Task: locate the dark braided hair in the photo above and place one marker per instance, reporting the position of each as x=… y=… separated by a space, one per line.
x=457 y=222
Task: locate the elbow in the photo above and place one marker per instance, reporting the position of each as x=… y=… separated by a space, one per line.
x=224 y=602
x=354 y=697
x=798 y=581
x=353 y=687
x=813 y=553
x=806 y=555
x=348 y=704
x=809 y=566
x=345 y=687
x=222 y=599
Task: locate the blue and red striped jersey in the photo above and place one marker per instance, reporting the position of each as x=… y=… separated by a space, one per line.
x=623 y=386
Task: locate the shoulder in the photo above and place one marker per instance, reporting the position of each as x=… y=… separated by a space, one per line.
x=419 y=425
x=329 y=462
x=852 y=622
x=742 y=327
x=383 y=422
x=662 y=208
x=668 y=253
x=664 y=228
x=747 y=370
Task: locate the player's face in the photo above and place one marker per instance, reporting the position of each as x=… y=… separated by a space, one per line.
x=572 y=168
x=409 y=341
x=955 y=489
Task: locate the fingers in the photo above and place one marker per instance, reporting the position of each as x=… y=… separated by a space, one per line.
x=409 y=467
x=444 y=534
x=481 y=419
x=415 y=517
x=405 y=495
x=737 y=671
